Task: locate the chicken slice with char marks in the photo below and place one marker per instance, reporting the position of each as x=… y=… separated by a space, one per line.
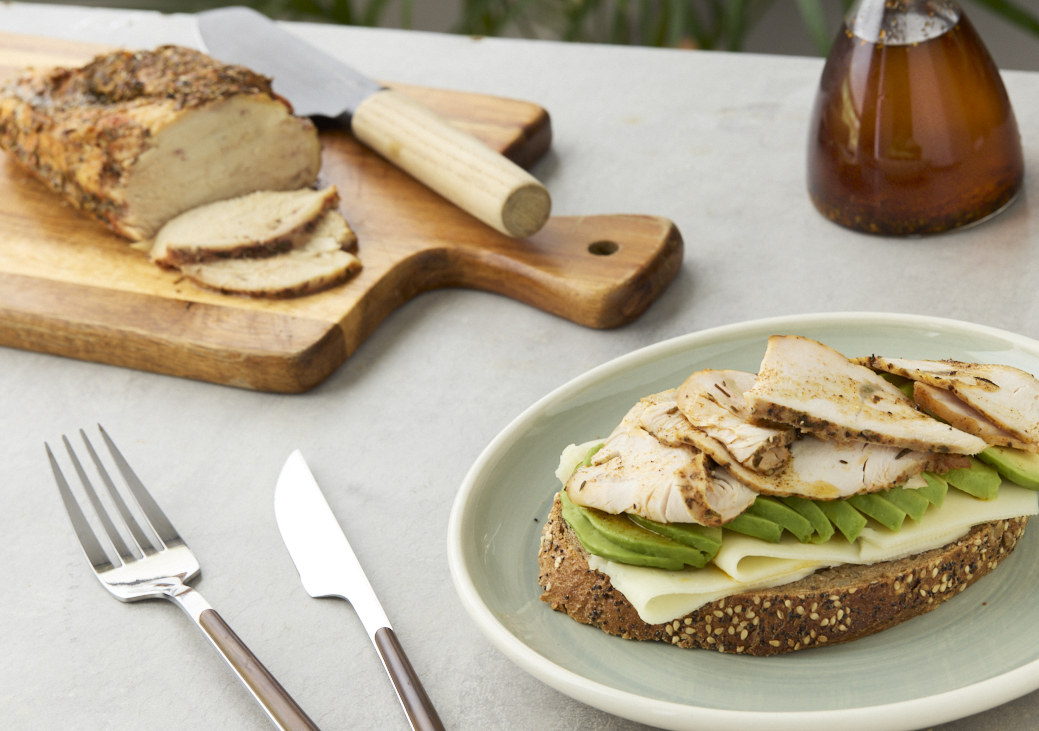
x=262 y=223
x=318 y=264
x=135 y=138
x=947 y=407
x=635 y=473
x=1006 y=396
x=808 y=385
x=713 y=402
x=817 y=469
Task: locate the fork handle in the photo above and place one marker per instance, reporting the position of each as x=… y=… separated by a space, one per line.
x=279 y=705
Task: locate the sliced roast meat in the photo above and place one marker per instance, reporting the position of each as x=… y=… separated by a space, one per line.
x=318 y=264
x=135 y=138
x=808 y=385
x=259 y=224
x=1006 y=396
x=713 y=402
x=946 y=406
x=634 y=472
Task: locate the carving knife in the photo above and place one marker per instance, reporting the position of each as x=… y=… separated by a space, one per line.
x=328 y=567
x=453 y=163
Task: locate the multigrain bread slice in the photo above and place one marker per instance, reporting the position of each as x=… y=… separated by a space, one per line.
x=834 y=605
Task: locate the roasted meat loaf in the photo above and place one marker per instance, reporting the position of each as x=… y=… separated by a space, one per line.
x=136 y=138
x=832 y=605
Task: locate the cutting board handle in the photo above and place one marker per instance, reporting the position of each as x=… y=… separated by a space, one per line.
x=598 y=271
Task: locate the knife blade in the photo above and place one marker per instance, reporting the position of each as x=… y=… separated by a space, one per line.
x=328 y=567
x=451 y=162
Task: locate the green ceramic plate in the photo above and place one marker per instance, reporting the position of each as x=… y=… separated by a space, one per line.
x=977 y=651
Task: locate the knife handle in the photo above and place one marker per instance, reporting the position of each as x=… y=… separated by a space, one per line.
x=455 y=164
x=279 y=705
x=419 y=709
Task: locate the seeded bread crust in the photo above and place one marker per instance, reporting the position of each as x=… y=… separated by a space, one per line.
x=830 y=606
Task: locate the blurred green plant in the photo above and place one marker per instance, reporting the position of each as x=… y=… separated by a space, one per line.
x=345 y=12
x=708 y=24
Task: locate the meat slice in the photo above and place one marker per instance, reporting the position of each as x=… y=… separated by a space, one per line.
x=808 y=385
x=816 y=469
x=258 y=224
x=635 y=473
x=136 y=138
x=946 y=406
x=713 y=402
x=318 y=264
x=1006 y=396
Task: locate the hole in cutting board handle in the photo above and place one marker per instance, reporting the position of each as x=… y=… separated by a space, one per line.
x=603 y=248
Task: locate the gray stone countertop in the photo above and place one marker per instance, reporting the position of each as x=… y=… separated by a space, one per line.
x=713 y=141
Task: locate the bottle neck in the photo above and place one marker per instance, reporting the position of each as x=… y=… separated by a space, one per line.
x=902 y=22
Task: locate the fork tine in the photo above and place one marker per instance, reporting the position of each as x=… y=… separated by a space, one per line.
x=152 y=512
x=106 y=522
x=95 y=554
x=142 y=541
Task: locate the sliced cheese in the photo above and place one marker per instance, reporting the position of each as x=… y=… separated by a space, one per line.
x=572 y=456
x=745 y=563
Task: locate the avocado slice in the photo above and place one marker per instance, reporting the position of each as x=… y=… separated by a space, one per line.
x=700 y=537
x=588 y=457
x=848 y=520
x=903 y=384
x=910 y=502
x=936 y=489
x=755 y=527
x=820 y=523
x=783 y=516
x=884 y=512
x=980 y=480
x=618 y=529
x=1016 y=465
x=598 y=544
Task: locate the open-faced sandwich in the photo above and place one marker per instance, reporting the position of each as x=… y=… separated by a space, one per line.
x=819 y=501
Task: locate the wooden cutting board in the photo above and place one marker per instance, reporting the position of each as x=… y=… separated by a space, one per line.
x=69 y=287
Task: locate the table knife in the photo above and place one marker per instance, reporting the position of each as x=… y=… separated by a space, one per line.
x=453 y=163
x=328 y=568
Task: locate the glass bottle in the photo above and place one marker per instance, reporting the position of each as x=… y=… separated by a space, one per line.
x=912 y=131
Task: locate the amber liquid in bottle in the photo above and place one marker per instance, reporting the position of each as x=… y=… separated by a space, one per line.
x=914 y=138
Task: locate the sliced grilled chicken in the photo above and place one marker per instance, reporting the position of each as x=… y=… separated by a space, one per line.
x=808 y=385
x=635 y=473
x=713 y=402
x=1006 y=396
x=136 y=138
x=817 y=469
x=945 y=405
x=254 y=225
x=321 y=262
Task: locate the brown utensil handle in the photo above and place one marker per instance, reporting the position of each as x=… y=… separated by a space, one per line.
x=278 y=704
x=418 y=707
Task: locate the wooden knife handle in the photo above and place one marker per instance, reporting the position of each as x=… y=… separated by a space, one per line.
x=455 y=164
x=419 y=709
x=279 y=705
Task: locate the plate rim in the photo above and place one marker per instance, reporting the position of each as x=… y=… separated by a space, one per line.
x=899 y=716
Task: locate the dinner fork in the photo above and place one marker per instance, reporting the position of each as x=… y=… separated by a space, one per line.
x=160 y=567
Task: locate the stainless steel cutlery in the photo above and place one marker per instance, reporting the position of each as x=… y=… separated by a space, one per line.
x=328 y=567
x=151 y=561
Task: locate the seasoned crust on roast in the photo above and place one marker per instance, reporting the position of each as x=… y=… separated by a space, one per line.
x=831 y=606
x=100 y=135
